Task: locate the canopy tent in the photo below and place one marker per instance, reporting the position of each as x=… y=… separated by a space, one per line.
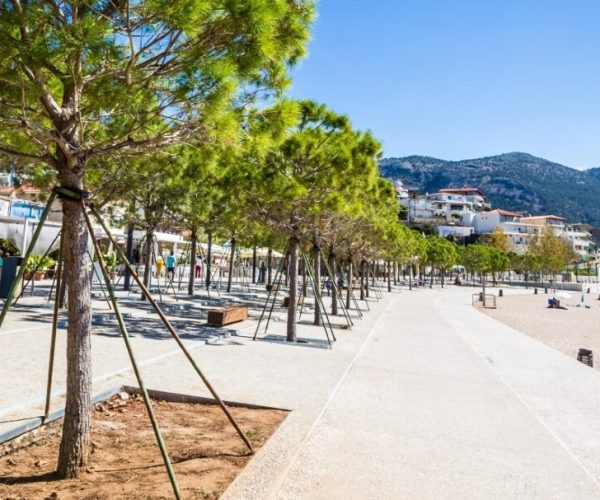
x=261 y=253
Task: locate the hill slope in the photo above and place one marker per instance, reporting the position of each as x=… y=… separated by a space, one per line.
x=514 y=181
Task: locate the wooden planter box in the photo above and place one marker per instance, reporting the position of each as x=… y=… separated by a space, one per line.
x=286 y=301
x=227 y=315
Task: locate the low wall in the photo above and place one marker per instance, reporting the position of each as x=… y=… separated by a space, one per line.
x=572 y=287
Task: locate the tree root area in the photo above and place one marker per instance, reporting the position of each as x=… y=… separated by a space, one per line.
x=125 y=461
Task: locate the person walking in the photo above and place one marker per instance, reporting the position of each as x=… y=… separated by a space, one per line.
x=198 y=268
x=262 y=273
x=160 y=263
x=171 y=266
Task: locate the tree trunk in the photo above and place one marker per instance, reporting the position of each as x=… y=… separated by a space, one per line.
x=148 y=261
x=269 y=266
x=410 y=276
x=442 y=273
x=302 y=268
x=362 y=280
x=76 y=424
x=366 y=267
x=389 y=276
x=193 y=250
x=317 y=284
x=395 y=271
x=231 y=259
x=129 y=253
x=431 y=277
x=254 y=265
x=334 y=297
x=208 y=261
x=293 y=281
x=483 y=288
x=349 y=284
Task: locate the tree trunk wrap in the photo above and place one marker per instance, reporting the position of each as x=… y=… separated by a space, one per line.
x=317 y=268
x=76 y=424
x=294 y=245
x=193 y=255
x=231 y=259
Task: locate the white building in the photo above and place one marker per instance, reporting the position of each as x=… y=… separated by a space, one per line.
x=401 y=191
x=439 y=208
x=580 y=237
x=520 y=230
x=455 y=231
x=469 y=194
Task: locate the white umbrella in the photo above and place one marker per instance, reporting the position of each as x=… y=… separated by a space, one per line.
x=563 y=295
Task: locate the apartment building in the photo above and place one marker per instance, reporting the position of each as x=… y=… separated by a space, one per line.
x=463 y=212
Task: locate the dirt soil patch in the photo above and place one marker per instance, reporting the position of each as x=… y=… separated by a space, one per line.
x=125 y=461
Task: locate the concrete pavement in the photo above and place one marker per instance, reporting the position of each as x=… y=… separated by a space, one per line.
x=448 y=404
x=424 y=398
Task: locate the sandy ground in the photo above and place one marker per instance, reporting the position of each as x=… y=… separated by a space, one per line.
x=564 y=330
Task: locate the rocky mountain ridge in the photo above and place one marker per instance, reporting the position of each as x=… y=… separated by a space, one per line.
x=513 y=181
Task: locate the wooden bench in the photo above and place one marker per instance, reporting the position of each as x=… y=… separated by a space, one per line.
x=286 y=301
x=227 y=315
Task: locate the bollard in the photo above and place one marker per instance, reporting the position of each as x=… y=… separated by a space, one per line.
x=535 y=291
x=500 y=293
x=589 y=290
x=480 y=297
x=586 y=357
x=546 y=290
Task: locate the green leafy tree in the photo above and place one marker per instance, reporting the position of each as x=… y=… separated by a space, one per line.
x=477 y=259
x=496 y=239
x=552 y=251
x=441 y=254
x=499 y=262
x=83 y=80
x=304 y=177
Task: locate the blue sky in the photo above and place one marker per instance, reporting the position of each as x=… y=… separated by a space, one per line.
x=458 y=79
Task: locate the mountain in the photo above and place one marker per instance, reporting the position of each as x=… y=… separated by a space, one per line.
x=513 y=181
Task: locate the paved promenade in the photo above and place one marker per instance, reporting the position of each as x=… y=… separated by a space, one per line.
x=424 y=398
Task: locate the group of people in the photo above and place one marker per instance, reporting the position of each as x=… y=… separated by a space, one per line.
x=171 y=263
x=554 y=303
x=329 y=285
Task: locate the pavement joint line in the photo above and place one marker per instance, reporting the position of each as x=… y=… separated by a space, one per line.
x=102 y=378
x=276 y=485
x=519 y=398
